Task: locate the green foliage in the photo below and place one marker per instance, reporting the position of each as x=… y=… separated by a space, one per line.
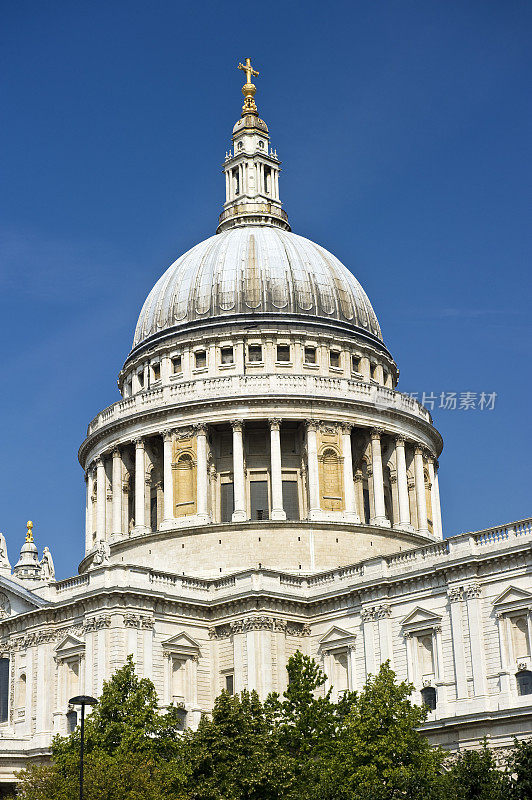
x=379 y=752
x=237 y=753
x=302 y=746
x=520 y=771
x=475 y=776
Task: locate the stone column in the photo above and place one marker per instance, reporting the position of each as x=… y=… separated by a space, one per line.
x=402 y=485
x=278 y=511
x=100 y=499
x=168 y=483
x=437 y=504
x=202 y=475
x=433 y=503
x=455 y=595
x=350 y=511
x=239 y=482
x=312 y=467
x=117 y=492
x=140 y=486
x=378 y=482
x=421 y=501
x=89 y=478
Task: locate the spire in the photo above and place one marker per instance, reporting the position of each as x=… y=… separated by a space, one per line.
x=251 y=169
x=28 y=566
x=249 y=88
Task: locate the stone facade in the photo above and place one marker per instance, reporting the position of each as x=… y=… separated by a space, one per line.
x=263 y=487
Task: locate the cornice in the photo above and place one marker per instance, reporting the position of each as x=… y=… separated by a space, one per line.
x=273 y=402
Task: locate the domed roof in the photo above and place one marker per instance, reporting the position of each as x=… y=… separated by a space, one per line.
x=255 y=270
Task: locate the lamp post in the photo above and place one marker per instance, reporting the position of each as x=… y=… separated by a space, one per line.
x=82 y=700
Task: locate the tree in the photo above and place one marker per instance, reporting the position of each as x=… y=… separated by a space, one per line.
x=379 y=752
x=474 y=775
x=130 y=748
x=237 y=754
x=520 y=771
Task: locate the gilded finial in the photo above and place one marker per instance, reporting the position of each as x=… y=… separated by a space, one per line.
x=29 y=534
x=249 y=88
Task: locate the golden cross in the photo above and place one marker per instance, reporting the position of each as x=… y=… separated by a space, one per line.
x=248 y=69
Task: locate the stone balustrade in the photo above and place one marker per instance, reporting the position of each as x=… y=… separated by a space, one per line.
x=260 y=386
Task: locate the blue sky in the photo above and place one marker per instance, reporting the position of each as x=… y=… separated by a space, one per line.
x=405 y=134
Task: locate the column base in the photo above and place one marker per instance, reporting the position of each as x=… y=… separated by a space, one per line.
x=382 y=522
x=424 y=532
x=404 y=526
x=203 y=519
x=138 y=530
x=239 y=516
x=167 y=524
x=278 y=514
x=351 y=516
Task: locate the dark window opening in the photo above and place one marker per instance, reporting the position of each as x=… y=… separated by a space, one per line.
x=310 y=355
x=182 y=719
x=255 y=352
x=258 y=491
x=355 y=363
x=524 y=682
x=334 y=357
x=283 y=352
x=428 y=695
x=4 y=689
x=156 y=372
x=290 y=499
x=140 y=376
x=227 y=501
x=176 y=364
x=226 y=354
x=72 y=721
x=201 y=359
x=230 y=683
x=367 y=511
x=153 y=511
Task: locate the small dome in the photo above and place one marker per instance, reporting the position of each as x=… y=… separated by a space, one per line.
x=250 y=121
x=255 y=270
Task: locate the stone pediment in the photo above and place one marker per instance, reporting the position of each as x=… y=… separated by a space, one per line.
x=182 y=645
x=421 y=618
x=335 y=639
x=16 y=599
x=69 y=647
x=513 y=597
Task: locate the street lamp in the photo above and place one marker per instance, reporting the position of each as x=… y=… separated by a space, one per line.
x=82 y=700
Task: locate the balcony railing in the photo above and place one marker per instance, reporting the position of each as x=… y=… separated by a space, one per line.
x=246 y=386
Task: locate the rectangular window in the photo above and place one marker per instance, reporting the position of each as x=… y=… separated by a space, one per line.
x=374 y=371
x=283 y=352
x=290 y=499
x=200 y=359
x=355 y=363
x=4 y=689
x=230 y=683
x=227 y=501
x=156 y=368
x=140 y=376
x=176 y=365
x=254 y=352
x=334 y=358
x=310 y=355
x=259 y=499
x=226 y=355
x=178 y=679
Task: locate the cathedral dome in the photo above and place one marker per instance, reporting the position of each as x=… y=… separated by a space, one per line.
x=255 y=271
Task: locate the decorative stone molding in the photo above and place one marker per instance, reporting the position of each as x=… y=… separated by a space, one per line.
x=473 y=590
x=138 y=621
x=201 y=428
x=275 y=424
x=260 y=623
x=522 y=665
x=97 y=623
x=237 y=425
x=455 y=593
x=312 y=424
x=376 y=433
x=368 y=614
